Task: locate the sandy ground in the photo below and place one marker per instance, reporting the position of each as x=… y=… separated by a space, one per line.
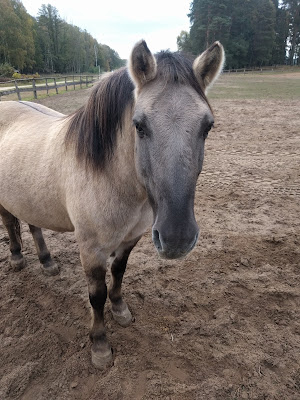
x=222 y=324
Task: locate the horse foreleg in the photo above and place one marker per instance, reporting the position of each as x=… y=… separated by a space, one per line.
x=95 y=269
x=49 y=267
x=12 y=224
x=120 y=310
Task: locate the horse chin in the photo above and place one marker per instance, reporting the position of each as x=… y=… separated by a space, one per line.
x=171 y=256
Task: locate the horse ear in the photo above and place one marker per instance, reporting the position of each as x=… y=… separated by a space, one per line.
x=208 y=66
x=142 y=64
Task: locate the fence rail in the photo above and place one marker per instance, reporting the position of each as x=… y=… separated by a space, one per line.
x=258 y=69
x=50 y=84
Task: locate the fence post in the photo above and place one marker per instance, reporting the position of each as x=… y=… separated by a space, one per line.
x=34 y=88
x=86 y=81
x=47 y=87
x=74 y=82
x=17 y=90
x=66 y=84
x=55 y=85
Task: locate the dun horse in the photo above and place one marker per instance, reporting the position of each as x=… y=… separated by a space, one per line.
x=128 y=158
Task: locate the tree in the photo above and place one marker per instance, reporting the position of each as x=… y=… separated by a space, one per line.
x=16 y=35
x=262 y=41
x=183 y=42
x=281 y=34
x=48 y=43
x=292 y=8
x=245 y=28
x=49 y=30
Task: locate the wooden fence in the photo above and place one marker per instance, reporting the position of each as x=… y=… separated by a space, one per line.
x=16 y=86
x=258 y=69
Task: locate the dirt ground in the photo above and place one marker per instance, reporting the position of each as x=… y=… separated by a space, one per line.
x=222 y=324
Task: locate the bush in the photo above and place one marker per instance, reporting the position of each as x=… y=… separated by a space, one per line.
x=6 y=70
x=93 y=70
x=16 y=75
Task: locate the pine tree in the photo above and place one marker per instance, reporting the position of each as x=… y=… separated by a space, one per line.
x=245 y=28
x=263 y=18
x=281 y=34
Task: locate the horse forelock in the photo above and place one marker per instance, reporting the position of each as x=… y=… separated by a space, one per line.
x=93 y=129
x=178 y=68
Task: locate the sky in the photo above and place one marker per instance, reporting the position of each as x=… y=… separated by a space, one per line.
x=121 y=23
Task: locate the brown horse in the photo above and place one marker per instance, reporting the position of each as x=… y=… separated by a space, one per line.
x=128 y=158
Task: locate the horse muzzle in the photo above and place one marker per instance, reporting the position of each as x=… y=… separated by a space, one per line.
x=175 y=242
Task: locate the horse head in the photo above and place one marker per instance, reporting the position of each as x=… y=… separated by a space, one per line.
x=172 y=118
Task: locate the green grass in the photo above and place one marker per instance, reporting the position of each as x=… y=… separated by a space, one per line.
x=43 y=94
x=265 y=85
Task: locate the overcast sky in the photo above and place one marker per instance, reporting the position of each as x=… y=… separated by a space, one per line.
x=121 y=23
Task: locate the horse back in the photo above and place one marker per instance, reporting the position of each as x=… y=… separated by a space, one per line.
x=42 y=109
x=24 y=114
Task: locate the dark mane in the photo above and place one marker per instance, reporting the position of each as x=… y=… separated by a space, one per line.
x=93 y=128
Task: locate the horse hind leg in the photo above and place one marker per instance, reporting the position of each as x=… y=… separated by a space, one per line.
x=119 y=309
x=12 y=224
x=49 y=267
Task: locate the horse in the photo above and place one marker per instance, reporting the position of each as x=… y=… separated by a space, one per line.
x=130 y=157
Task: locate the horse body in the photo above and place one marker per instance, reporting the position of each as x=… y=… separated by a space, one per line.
x=30 y=165
x=128 y=158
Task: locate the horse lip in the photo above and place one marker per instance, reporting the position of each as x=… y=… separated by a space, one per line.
x=169 y=255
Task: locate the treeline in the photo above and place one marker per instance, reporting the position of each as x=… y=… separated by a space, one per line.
x=48 y=44
x=253 y=32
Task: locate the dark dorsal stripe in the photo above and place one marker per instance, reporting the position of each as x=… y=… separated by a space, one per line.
x=94 y=127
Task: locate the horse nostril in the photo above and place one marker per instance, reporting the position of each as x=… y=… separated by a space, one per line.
x=156 y=240
x=195 y=240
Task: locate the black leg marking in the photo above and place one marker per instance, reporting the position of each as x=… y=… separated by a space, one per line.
x=120 y=309
x=118 y=269
x=101 y=350
x=97 y=296
x=12 y=225
x=48 y=265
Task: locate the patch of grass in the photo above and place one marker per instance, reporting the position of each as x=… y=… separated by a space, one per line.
x=43 y=94
x=257 y=86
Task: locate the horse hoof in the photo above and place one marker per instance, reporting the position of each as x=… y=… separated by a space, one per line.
x=123 y=318
x=50 y=268
x=18 y=264
x=102 y=360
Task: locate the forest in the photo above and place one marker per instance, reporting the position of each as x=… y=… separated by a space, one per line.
x=253 y=32
x=48 y=44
